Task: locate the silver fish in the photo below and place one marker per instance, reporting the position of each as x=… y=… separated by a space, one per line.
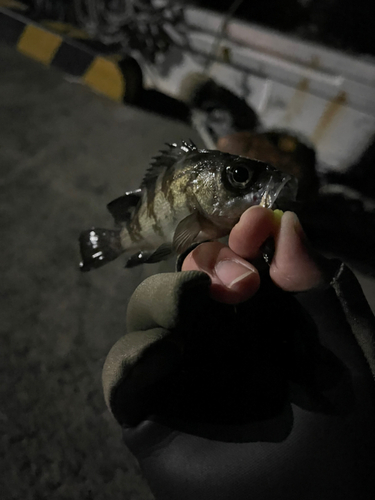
x=188 y=195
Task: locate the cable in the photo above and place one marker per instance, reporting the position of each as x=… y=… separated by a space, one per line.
x=220 y=34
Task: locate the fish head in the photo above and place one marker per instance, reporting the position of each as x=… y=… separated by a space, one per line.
x=235 y=183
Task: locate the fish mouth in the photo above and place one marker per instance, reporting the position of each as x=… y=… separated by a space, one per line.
x=276 y=190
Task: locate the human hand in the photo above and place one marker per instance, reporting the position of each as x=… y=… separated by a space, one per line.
x=295 y=266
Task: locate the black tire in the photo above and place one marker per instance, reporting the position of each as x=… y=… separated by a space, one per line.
x=210 y=96
x=133 y=79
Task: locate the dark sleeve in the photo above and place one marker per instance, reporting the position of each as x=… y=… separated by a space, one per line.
x=221 y=402
x=357 y=312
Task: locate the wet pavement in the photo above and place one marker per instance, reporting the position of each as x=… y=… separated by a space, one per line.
x=64 y=153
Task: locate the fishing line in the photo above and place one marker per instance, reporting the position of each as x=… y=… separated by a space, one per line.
x=220 y=35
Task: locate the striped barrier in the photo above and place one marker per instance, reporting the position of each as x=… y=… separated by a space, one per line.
x=120 y=81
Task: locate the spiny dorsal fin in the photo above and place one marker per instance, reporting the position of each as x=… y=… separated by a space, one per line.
x=122 y=208
x=166 y=159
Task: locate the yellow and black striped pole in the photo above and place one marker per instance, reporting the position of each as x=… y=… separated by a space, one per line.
x=102 y=74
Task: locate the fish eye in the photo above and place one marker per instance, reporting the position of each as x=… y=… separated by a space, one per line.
x=239 y=175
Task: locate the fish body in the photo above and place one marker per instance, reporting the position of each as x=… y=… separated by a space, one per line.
x=187 y=196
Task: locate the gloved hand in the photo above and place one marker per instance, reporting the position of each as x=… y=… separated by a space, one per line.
x=270 y=398
x=254 y=401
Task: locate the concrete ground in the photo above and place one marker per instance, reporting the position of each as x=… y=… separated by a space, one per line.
x=64 y=153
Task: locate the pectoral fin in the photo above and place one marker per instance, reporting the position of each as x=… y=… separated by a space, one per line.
x=195 y=228
x=186 y=233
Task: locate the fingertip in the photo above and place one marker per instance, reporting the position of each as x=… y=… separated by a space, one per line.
x=255 y=226
x=294 y=268
x=189 y=263
x=238 y=281
x=233 y=280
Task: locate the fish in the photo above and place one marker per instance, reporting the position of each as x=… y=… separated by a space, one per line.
x=187 y=196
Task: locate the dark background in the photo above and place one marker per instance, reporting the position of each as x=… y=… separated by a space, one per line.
x=341 y=24
x=64 y=153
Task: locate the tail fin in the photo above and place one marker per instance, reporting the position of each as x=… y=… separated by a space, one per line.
x=99 y=246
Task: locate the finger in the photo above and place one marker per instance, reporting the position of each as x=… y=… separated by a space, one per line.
x=255 y=226
x=295 y=267
x=234 y=280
